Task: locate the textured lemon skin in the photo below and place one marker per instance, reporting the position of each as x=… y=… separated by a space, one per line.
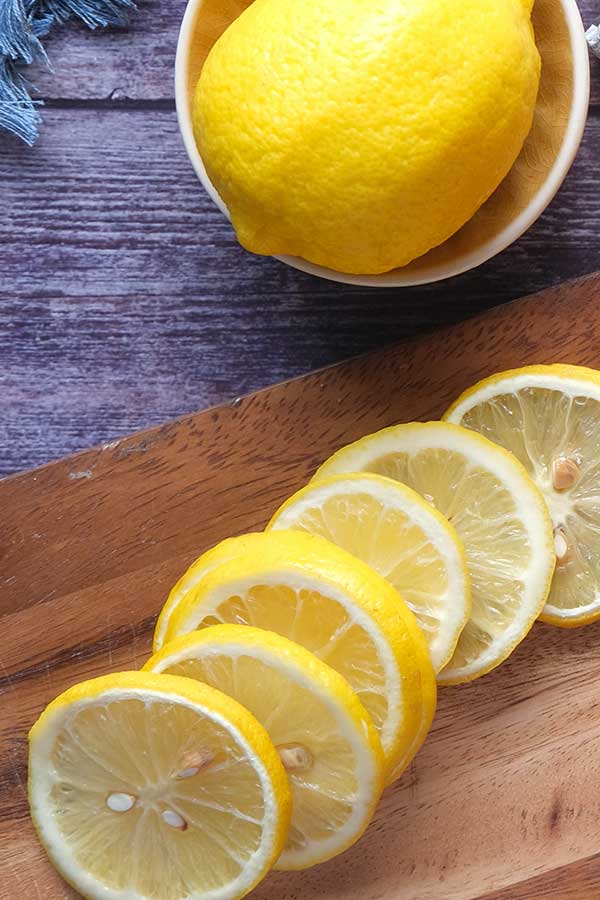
x=360 y=134
x=148 y=685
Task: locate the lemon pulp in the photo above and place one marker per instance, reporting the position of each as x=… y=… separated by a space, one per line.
x=136 y=779
x=306 y=589
x=324 y=736
x=549 y=417
x=401 y=536
x=497 y=511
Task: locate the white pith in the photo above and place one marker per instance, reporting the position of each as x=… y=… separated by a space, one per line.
x=480 y=453
x=42 y=779
x=394 y=495
x=559 y=503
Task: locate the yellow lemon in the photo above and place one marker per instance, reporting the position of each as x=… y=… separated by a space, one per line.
x=324 y=737
x=144 y=786
x=401 y=536
x=305 y=588
x=224 y=551
x=549 y=417
x=360 y=134
x=497 y=511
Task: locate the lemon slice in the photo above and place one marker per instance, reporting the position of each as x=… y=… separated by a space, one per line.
x=325 y=739
x=306 y=589
x=154 y=787
x=227 y=549
x=549 y=417
x=497 y=511
x=394 y=530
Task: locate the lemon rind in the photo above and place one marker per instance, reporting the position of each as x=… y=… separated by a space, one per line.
x=569 y=380
x=244 y=728
x=437 y=528
x=418 y=436
x=226 y=549
x=303 y=667
x=553 y=377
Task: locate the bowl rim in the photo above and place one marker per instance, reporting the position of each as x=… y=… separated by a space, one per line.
x=462 y=263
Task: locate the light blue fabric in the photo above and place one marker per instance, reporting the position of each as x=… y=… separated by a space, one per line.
x=592 y=36
x=22 y=24
x=18 y=113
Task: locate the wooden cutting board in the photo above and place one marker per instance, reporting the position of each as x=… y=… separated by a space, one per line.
x=502 y=803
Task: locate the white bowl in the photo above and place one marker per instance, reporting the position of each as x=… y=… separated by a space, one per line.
x=524 y=194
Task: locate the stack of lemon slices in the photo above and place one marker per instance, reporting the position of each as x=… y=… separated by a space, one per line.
x=294 y=670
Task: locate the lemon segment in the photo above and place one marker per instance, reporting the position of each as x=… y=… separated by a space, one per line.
x=227 y=549
x=549 y=417
x=326 y=740
x=359 y=135
x=497 y=511
x=304 y=588
x=150 y=787
x=401 y=536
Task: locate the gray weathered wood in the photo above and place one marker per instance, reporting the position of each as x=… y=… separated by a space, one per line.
x=134 y=62
x=124 y=298
x=137 y=62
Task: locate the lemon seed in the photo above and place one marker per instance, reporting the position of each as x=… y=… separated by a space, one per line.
x=295 y=757
x=118 y=802
x=173 y=819
x=565 y=472
x=561 y=546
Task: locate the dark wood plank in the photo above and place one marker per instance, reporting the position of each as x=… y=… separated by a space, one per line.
x=137 y=62
x=504 y=795
x=167 y=475
x=134 y=62
x=126 y=300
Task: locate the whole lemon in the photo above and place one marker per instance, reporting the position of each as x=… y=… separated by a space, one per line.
x=359 y=134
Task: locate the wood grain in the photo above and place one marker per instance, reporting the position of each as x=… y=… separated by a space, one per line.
x=136 y=62
x=125 y=299
x=502 y=803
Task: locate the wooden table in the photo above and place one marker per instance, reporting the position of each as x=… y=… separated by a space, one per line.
x=124 y=298
x=503 y=800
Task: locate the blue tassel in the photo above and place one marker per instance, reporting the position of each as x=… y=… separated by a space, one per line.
x=22 y=24
x=17 y=37
x=93 y=13
x=18 y=112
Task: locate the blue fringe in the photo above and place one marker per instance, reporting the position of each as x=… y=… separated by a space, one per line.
x=18 y=112
x=17 y=36
x=22 y=24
